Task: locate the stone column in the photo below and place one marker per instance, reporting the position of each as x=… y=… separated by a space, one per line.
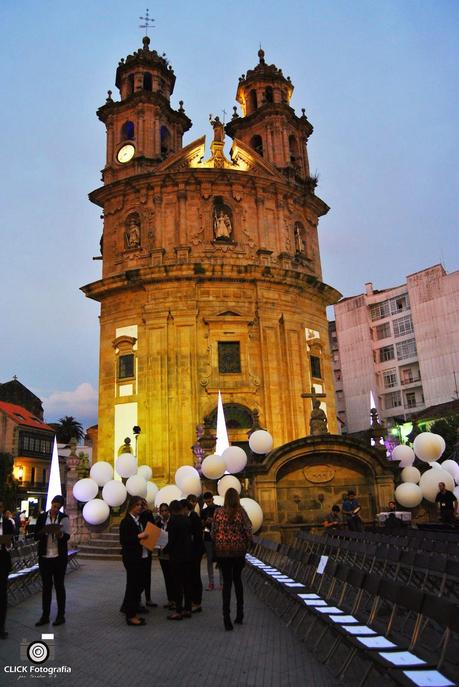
x=71 y=506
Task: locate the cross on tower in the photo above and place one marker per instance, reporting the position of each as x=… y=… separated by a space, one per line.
x=148 y=21
x=224 y=112
x=313 y=395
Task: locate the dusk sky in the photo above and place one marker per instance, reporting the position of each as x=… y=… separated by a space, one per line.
x=379 y=81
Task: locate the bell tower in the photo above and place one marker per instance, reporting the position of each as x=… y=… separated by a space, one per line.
x=268 y=124
x=142 y=127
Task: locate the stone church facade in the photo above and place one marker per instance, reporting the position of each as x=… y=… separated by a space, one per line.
x=211 y=273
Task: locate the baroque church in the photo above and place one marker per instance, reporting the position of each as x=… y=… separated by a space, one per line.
x=211 y=272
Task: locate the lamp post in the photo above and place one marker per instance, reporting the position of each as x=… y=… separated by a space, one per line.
x=136 y=430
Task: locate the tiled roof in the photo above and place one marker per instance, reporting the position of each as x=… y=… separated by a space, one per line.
x=21 y=416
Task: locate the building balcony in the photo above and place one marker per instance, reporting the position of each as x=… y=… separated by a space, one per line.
x=411 y=380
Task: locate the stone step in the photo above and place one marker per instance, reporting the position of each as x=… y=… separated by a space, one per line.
x=105 y=536
x=112 y=550
x=101 y=544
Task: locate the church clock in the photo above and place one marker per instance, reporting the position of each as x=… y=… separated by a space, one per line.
x=125 y=153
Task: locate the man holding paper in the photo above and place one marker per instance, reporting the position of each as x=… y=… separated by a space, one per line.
x=52 y=532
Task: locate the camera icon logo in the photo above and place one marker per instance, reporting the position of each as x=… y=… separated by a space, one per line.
x=38 y=651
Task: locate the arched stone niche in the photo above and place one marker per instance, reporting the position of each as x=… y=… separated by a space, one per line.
x=299 y=482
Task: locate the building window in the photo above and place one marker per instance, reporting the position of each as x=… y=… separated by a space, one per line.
x=127 y=131
x=315 y=367
x=269 y=95
x=403 y=325
x=399 y=304
x=390 y=378
x=411 y=399
x=253 y=100
x=256 y=142
x=147 y=82
x=32 y=476
x=383 y=331
x=131 y=83
x=229 y=357
x=379 y=310
x=43 y=476
x=386 y=353
x=406 y=349
x=392 y=400
x=126 y=366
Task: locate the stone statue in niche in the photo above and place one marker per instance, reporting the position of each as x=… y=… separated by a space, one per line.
x=318 y=422
x=132 y=233
x=300 y=246
x=223 y=228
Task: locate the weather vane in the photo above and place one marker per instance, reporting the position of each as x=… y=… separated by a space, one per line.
x=148 y=21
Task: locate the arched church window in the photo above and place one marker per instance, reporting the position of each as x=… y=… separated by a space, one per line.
x=128 y=131
x=237 y=416
x=253 y=100
x=256 y=142
x=131 y=84
x=269 y=95
x=147 y=82
x=165 y=136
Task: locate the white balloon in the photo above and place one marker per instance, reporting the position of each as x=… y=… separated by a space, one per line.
x=410 y=474
x=404 y=454
x=254 y=511
x=114 y=493
x=442 y=443
x=96 y=511
x=183 y=473
x=261 y=441
x=430 y=480
x=137 y=486
x=213 y=467
x=408 y=495
x=219 y=500
x=235 y=458
x=152 y=490
x=452 y=467
x=435 y=465
x=226 y=483
x=191 y=485
x=456 y=492
x=126 y=465
x=428 y=446
x=145 y=471
x=167 y=494
x=85 y=489
x=101 y=472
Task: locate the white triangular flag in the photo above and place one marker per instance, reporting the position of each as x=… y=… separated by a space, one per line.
x=222 y=434
x=54 y=485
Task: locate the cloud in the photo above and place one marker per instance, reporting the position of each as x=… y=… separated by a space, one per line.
x=81 y=403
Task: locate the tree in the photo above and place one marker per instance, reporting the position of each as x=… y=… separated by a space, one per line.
x=447 y=427
x=7 y=482
x=68 y=428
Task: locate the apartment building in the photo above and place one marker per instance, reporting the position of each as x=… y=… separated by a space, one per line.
x=400 y=344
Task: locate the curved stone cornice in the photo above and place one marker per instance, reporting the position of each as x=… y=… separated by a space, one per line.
x=324 y=445
x=221 y=272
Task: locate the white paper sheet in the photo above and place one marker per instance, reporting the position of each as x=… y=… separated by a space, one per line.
x=376 y=642
x=358 y=629
x=402 y=658
x=322 y=564
x=428 y=678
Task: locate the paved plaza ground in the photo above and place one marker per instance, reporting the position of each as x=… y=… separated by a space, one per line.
x=103 y=651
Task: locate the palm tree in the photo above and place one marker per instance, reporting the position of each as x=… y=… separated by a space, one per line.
x=69 y=428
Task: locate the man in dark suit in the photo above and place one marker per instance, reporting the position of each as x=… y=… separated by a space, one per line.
x=7 y=530
x=180 y=547
x=52 y=532
x=133 y=553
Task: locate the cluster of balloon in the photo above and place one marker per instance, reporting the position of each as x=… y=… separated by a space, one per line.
x=427 y=447
x=114 y=492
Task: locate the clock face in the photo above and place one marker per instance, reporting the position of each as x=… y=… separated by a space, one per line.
x=125 y=153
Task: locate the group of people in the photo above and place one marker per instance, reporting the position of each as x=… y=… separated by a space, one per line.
x=447 y=510
x=52 y=532
x=223 y=533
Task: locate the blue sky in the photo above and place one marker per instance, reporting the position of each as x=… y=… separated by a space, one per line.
x=378 y=79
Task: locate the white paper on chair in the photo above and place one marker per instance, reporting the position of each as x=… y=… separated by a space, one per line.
x=294 y=584
x=314 y=602
x=359 y=629
x=344 y=619
x=331 y=610
x=376 y=642
x=309 y=596
x=428 y=678
x=402 y=658
x=322 y=564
